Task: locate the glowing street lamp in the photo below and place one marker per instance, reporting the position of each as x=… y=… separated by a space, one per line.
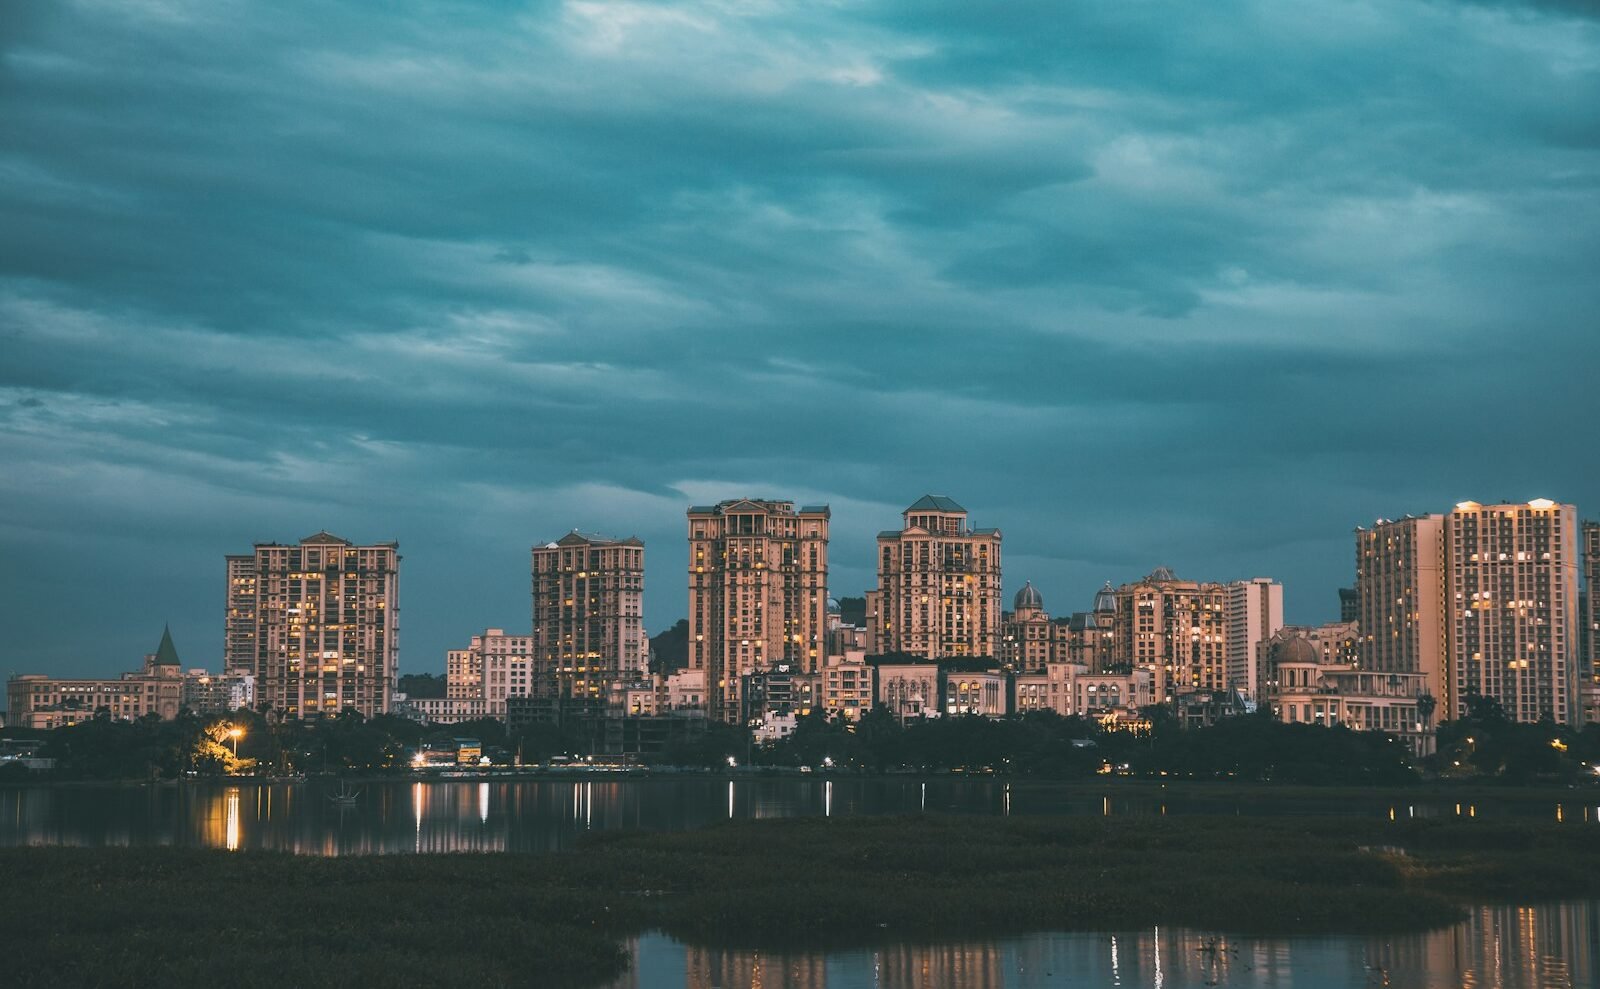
x=235 y=734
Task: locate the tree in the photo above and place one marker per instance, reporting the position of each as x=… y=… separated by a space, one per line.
x=670 y=649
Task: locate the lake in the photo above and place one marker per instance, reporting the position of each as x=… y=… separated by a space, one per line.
x=1539 y=947
x=548 y=814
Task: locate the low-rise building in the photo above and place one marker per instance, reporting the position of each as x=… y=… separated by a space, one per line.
x=441 y=710
x=976 y=693
x=218 y=693
x=42 y=702
x=846 y=685
x=909 y=690
x=1313 y=676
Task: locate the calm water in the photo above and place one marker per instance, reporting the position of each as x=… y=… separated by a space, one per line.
x=548 y=814
x=1543 y=947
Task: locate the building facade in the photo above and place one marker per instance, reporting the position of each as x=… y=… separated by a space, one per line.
x=1255 y=612
x=1589 y=634
x=1029 y=639
x=493 y=667
x=938 y=590
x=1400 y=602
x=1512 y=593
x=1313 y=675
x=239 y=633
x=1177 y=630
x=38 y=702
x=218 y=693
x=588 y=601
x=323 y=625
x=758 y=595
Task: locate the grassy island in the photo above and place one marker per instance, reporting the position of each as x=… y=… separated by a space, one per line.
x=165 y=917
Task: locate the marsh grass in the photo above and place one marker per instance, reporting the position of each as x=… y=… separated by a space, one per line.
x=164 y=917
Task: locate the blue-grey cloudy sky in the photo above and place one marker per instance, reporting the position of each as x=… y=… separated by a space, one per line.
x=1201 y=285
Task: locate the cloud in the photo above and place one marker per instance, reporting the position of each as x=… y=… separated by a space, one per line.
x=1139 y=284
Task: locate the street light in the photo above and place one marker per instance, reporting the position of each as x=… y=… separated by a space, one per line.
x=235 y=733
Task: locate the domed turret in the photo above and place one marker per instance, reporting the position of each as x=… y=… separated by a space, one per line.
x=1105 y=600
x=1028 y=597
x=1160 y=575
x=833 y=606
x=1298 y=649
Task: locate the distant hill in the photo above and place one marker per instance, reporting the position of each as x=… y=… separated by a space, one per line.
x=671 y=648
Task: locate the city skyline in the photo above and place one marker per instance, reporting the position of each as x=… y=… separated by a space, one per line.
x=413 y=661
x=1202 y=288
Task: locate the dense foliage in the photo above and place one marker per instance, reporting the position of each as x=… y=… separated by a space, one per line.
x=422 y=685
x=1042 y=743
x=1483 y=746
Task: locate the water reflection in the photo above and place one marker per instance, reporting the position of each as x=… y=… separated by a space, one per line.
x=1543 y=947
x=233 y=819
x=549 y=814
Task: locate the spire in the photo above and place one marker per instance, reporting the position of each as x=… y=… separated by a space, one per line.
x=167 y=653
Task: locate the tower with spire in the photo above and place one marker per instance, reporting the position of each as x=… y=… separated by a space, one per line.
x=164 y=662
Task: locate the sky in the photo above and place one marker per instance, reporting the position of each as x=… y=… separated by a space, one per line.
x=1194 y=285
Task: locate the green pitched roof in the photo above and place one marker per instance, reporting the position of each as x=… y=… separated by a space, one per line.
x=167 y=653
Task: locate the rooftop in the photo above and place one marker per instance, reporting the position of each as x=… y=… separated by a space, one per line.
x=935 y=503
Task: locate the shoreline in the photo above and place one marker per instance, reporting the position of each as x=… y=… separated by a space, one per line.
x=840 y=882
x=1434 y=789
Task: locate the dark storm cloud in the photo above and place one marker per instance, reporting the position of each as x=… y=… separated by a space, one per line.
x=1139 y=283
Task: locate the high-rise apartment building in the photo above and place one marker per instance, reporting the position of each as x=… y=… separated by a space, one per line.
x=239 y=634
x=324 y=624
x=1512 y=593
x=588 y=601
x=758 y=595
x=1255 y=612
x=1589 y=634
x=1400 y=603
x=1177 y=630
x=938 y=590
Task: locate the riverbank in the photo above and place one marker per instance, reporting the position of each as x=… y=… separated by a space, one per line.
x=1431 y=790
x=187 y=918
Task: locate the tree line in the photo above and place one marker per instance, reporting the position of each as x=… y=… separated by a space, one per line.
x=1483 y=745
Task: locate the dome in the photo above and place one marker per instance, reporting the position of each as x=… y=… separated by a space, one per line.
x=1028 y=597
x=833 y=606
x=1298 y=649
x=1105 y=600
x=1160 y=574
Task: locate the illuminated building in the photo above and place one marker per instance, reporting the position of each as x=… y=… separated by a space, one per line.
x=908 y=690
x=211 y=693
x=982 y=693
x=938 y=590
x=1255 y=611
x=38 y=702
x=1315 y=676
x=326 y=624
x=1400 y=610
x=758 y=595
x=846 y=685
x=1028 y=636
x=1175 y=629
x=239 y=635
x=1589 y=637
x=1512 y=591
x=1090 y=636
x=588 y=594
